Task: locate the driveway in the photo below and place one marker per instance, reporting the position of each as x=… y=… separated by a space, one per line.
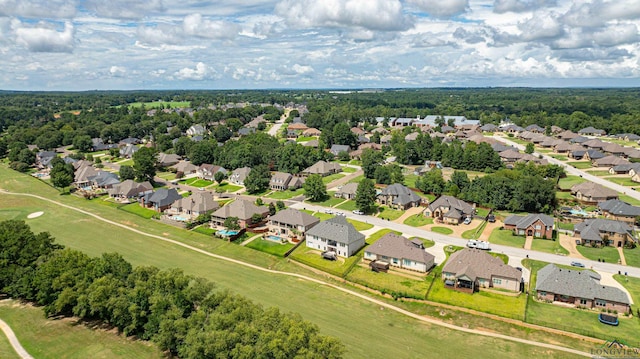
x=569 y=243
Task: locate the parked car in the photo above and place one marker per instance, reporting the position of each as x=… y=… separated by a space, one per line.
x=491 y=218
x=578 y=242
x=340 y=214
x=329 y=211
x=357 y=211
x=467 y=220
x=577 y=264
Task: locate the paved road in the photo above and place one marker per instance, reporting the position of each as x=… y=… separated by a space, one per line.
x=314 y=280
x=15 y=343
x=273 y=131
x=576 y=172
x=516 y=253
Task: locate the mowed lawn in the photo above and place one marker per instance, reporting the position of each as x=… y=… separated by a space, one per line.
x=506 y=238
x=569 y=181
x=271 y=247
x=549 y=246
x=321 y=305
x=52 y=339
x=608 y=254
x=418 y=220
x=390 y=283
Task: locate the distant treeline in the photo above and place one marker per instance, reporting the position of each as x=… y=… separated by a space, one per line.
x=182 y=314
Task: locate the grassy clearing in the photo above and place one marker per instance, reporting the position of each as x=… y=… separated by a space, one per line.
x=559 y=157
x=306 y=138
x=506 y=238
x=360 y=226
x=391 y=283
x=581 y=165
x=67 y=338
x=226 y=187
x=286 y=194
x=632 y=201
x=565 y=225
x=623 y=181
x=329 y=202
x=271 y=247
x=442 y=230
x=205 y=229
x=418 y=220
x=356 y=179
x=196 y=182
x=139 y=210
x=609 y=254
x=313 y=258
x=333 y=177
x=549 y=246
x=599 y=173
x=410 y=180
x=346 y=169
x=374 y=237
x=569 y=181
x=159 y=104
x=632 y=284
x=169 y=176
x=348 y=205
x=390 y=214
x=632 y=257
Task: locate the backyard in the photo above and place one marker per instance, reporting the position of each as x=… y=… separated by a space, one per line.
x=196 y=182
x=441 y=230
x=391 y=283
x=137 y=209
x=268 y=246
x=288 y=194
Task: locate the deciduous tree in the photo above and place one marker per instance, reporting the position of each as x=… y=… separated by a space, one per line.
x=314 y=188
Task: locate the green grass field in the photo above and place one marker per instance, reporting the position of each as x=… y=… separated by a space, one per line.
x=390 y=214
x=568 y=182
x=427 y=242
x=632 y=257
x=632 y=201
x=418 y=220
x=506 y=238
x=442 y=230
x=271 y=247
x=137 y=209
x=581 y=165
x=67 y=338
x=329 y=202
x=599 y=173
x=158 y=104
x=346 y=169
x=475 y=232
x=609 y=254
x=549 y=246
x=559 y=157
x=205 y=229
x=623 y=181
x=285 y=194
x=331 y=178
x=375 y=236
x=225 y=187
x=356 y=179
x=359 y=225
x=322 y=305
x=565 y=225
x=306 y=138
x=410 y=180
x=348 y=205
x=390 y=282
x=311 y=257
x=196 y=182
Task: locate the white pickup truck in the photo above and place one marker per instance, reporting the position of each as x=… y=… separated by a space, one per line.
x=484 y=245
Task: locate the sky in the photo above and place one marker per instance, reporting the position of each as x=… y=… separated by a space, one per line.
x=75 y=45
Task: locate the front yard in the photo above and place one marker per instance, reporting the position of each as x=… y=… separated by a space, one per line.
x=285 y=194
x=569 y=181
x=331 y=178
x=506 y=238
x=581 y=165
x=608 y=254
x=196 y=182
x=442 y=230
x=632 y=256
x=549 y=246
x=374 y=237
x=390 y=214
x=360 y=226
x=418 y=220
x=623 y=181
x=348 y=205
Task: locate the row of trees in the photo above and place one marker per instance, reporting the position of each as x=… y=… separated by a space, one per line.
x=183 y=315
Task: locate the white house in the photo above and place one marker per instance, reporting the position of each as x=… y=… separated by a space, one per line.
x=335 y=235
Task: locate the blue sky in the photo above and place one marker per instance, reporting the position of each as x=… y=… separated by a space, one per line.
x=248 y=44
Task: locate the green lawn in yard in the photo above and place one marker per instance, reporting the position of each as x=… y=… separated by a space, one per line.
x=271 y=247
x=169 y=176
x=128 y=162
x=632 y=257
x=329 y=202
x=427 y=242
x=137 y=209
x=313 y=258
x=225 y=187
x=442 y=230
x=355 y=162
x=391 y=283
x=475 y=232
x=158 y=104
x=418 y=220
x=356 y=179
x=390 y=214
x=321 y=215
x=348 y=205
x=506 y=238
x=346 y=169
x=306 y=138
x=609 y=254
x=360 y=226
x=286 y=194
x=564 y=196
x=581 y=165
x=205 y=229
x=623 y=181
x=482 y=212
x=67 y=338
x=377 y=235
x=196 y=182
x=599 y=173
x=565 y=225
x=632 y=201
x=333 y=177
x=569 y=181
x=632 y=284
x=549 y=246
x=559 y=157
x=410 y=180
x=494 y=303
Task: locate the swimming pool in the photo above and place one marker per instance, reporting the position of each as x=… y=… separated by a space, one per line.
x=580 y=212
x=274 y=238
x=179 y=218
x=227 y=232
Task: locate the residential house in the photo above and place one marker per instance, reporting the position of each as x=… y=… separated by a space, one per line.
x=208 y=171
x=44 y=158
x=312 y=143
x=627 y=136
x=489 y=127
x=348 y=191
x=161 y=199
x=168 y=159
x=335 y=235
x=322 y=168
x=241 y=209
x=128 y=150
x=532 y=225
x=468 y=270
x=598 y=232
x=579 y=140
x=358 y=131
x=534 y=128
x=311 y=132
x=591 y=131
x=129 y=141
x=555 y=129
x=130 y=189
x=412 y=136
x=291 y=223
x=594 y=144
x=400 y=252
x=512 y=129
x=281 y=181
x=398 y=196
x=590 y=192
x=337 y=149
x=297 y=126
x=581 y=288
x=510 y=156
x=624 y=169
x=617 y=210
x=103 y=179
x=82 y=174
x=196 y=130
x=198 y=203
x=567 y=135
x=239 y=175
x=97 y=144
x=609 y=161
x=449 y=209
x=246 y=131
x=185 y=167
x=255 y=123
x=615 y=149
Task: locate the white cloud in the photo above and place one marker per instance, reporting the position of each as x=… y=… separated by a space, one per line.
x=541 y=26
x=442 y=8
x=65 y=9
x=377 y=15
x=124 y=9
x=117 y=71
x=199 y=73
x=616 y=35
x=302 y=69
x=195 y=25
x=161 y=34
x=502 y=6
x=43 y=38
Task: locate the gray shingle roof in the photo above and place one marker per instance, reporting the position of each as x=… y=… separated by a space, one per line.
x=526 y=221
x=197 y=202
x=592 y=227
x=239 y=208
x=392 y=245
x=164 y=197
x=450 y=202
x=617 y=207
x=478 y=264
x=337 y=229
x=582 y=284
x=294 y=217
x=322 y=167
x=593 y=190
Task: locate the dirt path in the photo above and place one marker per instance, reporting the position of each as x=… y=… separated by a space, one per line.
x=15 y=343
x=382 y=304
x=623 y=260
x=569 y=243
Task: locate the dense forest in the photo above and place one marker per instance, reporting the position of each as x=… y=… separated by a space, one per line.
x=184 y=315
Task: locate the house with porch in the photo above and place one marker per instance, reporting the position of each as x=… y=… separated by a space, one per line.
x=592 y=131
x=580 y=288
x=130 y=189
x=348 y=191
x=322 y=168
x=337 y=149
x=398 y=196
x=241 y=209
x=598 y=232
x=196 y=204
x=281 y=181
x=291 y=223
x=239 y=175
x=168 y=159
x=400 y=252
x=449 y=209
x=468 y=270
x=208 y=171
x=335 y=235
x=533 y=225
x=589 y=192
x=161 y=199
x=617 y=210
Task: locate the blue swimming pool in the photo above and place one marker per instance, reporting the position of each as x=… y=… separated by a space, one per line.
x=227 y=232
x=179 y=218
x=274 y=238
x=580 y=212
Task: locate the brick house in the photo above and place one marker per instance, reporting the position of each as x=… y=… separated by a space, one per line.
x=536 y=225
